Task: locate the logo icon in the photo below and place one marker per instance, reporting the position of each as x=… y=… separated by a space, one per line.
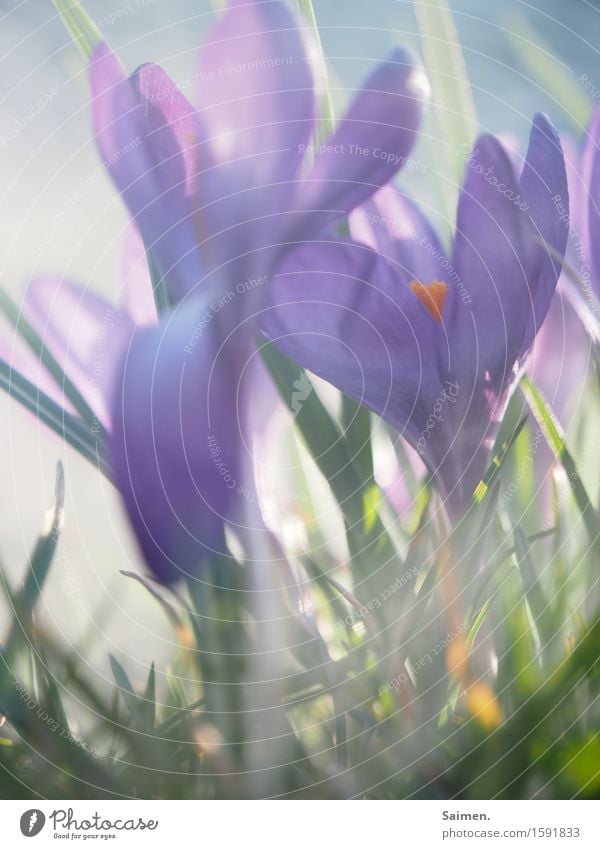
x=32 y=822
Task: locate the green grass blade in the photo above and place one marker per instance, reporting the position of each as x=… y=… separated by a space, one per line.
x=23 y=602
x=555 y=437
x=50 y=363
x=356 y=422
x=74 y=431
x=453 y=102
x=320 y=433
x=125 y=687
x=503 y=445
x=160 y=290
x=327 y=120
x=538 y=604
x=542 y=65
x=80 y=26
x=40 y=561
x=149 y=700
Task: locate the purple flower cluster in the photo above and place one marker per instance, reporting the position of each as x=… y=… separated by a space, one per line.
x=254 y=229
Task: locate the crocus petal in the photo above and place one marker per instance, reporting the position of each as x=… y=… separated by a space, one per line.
x=85 y=333
x=257 y=104
x=21 y=358
x=175 y=445
x=489 y=256
x=393 y=225
x=145 y=173
x=137 y=296
x=174 y=131
x=593 y=202
x=373 y=140
x=544 y=188
x=339 y=310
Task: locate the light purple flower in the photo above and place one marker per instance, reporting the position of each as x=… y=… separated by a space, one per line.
x=219 y=194
x=433 y=343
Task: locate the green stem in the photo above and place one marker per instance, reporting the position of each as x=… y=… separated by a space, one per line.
x=327 y=120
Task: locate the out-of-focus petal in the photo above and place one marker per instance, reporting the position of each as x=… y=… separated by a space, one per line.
x=137 y=296
x=86 y=334
x=257 y=104
x=176 y=446
x=591 y=162
x=144 y=173
x=544 y=188
x=372 y=141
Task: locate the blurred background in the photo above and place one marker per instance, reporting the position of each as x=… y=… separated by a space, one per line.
x=59 y=215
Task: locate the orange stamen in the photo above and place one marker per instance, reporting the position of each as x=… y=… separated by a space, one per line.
x=431 y=295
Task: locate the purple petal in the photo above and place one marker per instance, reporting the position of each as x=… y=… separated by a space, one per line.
x=149 y=174
x=392 y=224
x=174 y=132
x=137 y=296
x=339 y=310
x=21 y=358
x=256 y=94
x=176 y=446
x=544 y=187
x=591 y=165
x=373 y=140
x=489 y=259
x=86 y=334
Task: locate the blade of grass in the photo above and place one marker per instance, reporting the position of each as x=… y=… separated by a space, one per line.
x=74 y=431
x=542 y=65
x=452 y=98
x=80 y=26
x=356 y=424
x=30 y=336
x=45 y=548
x=326 y=122
x=320 y=433
x=555 y=437
x=538 y=604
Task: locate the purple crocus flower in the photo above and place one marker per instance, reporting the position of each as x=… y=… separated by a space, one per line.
x=219 y=194
x=433 y=344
